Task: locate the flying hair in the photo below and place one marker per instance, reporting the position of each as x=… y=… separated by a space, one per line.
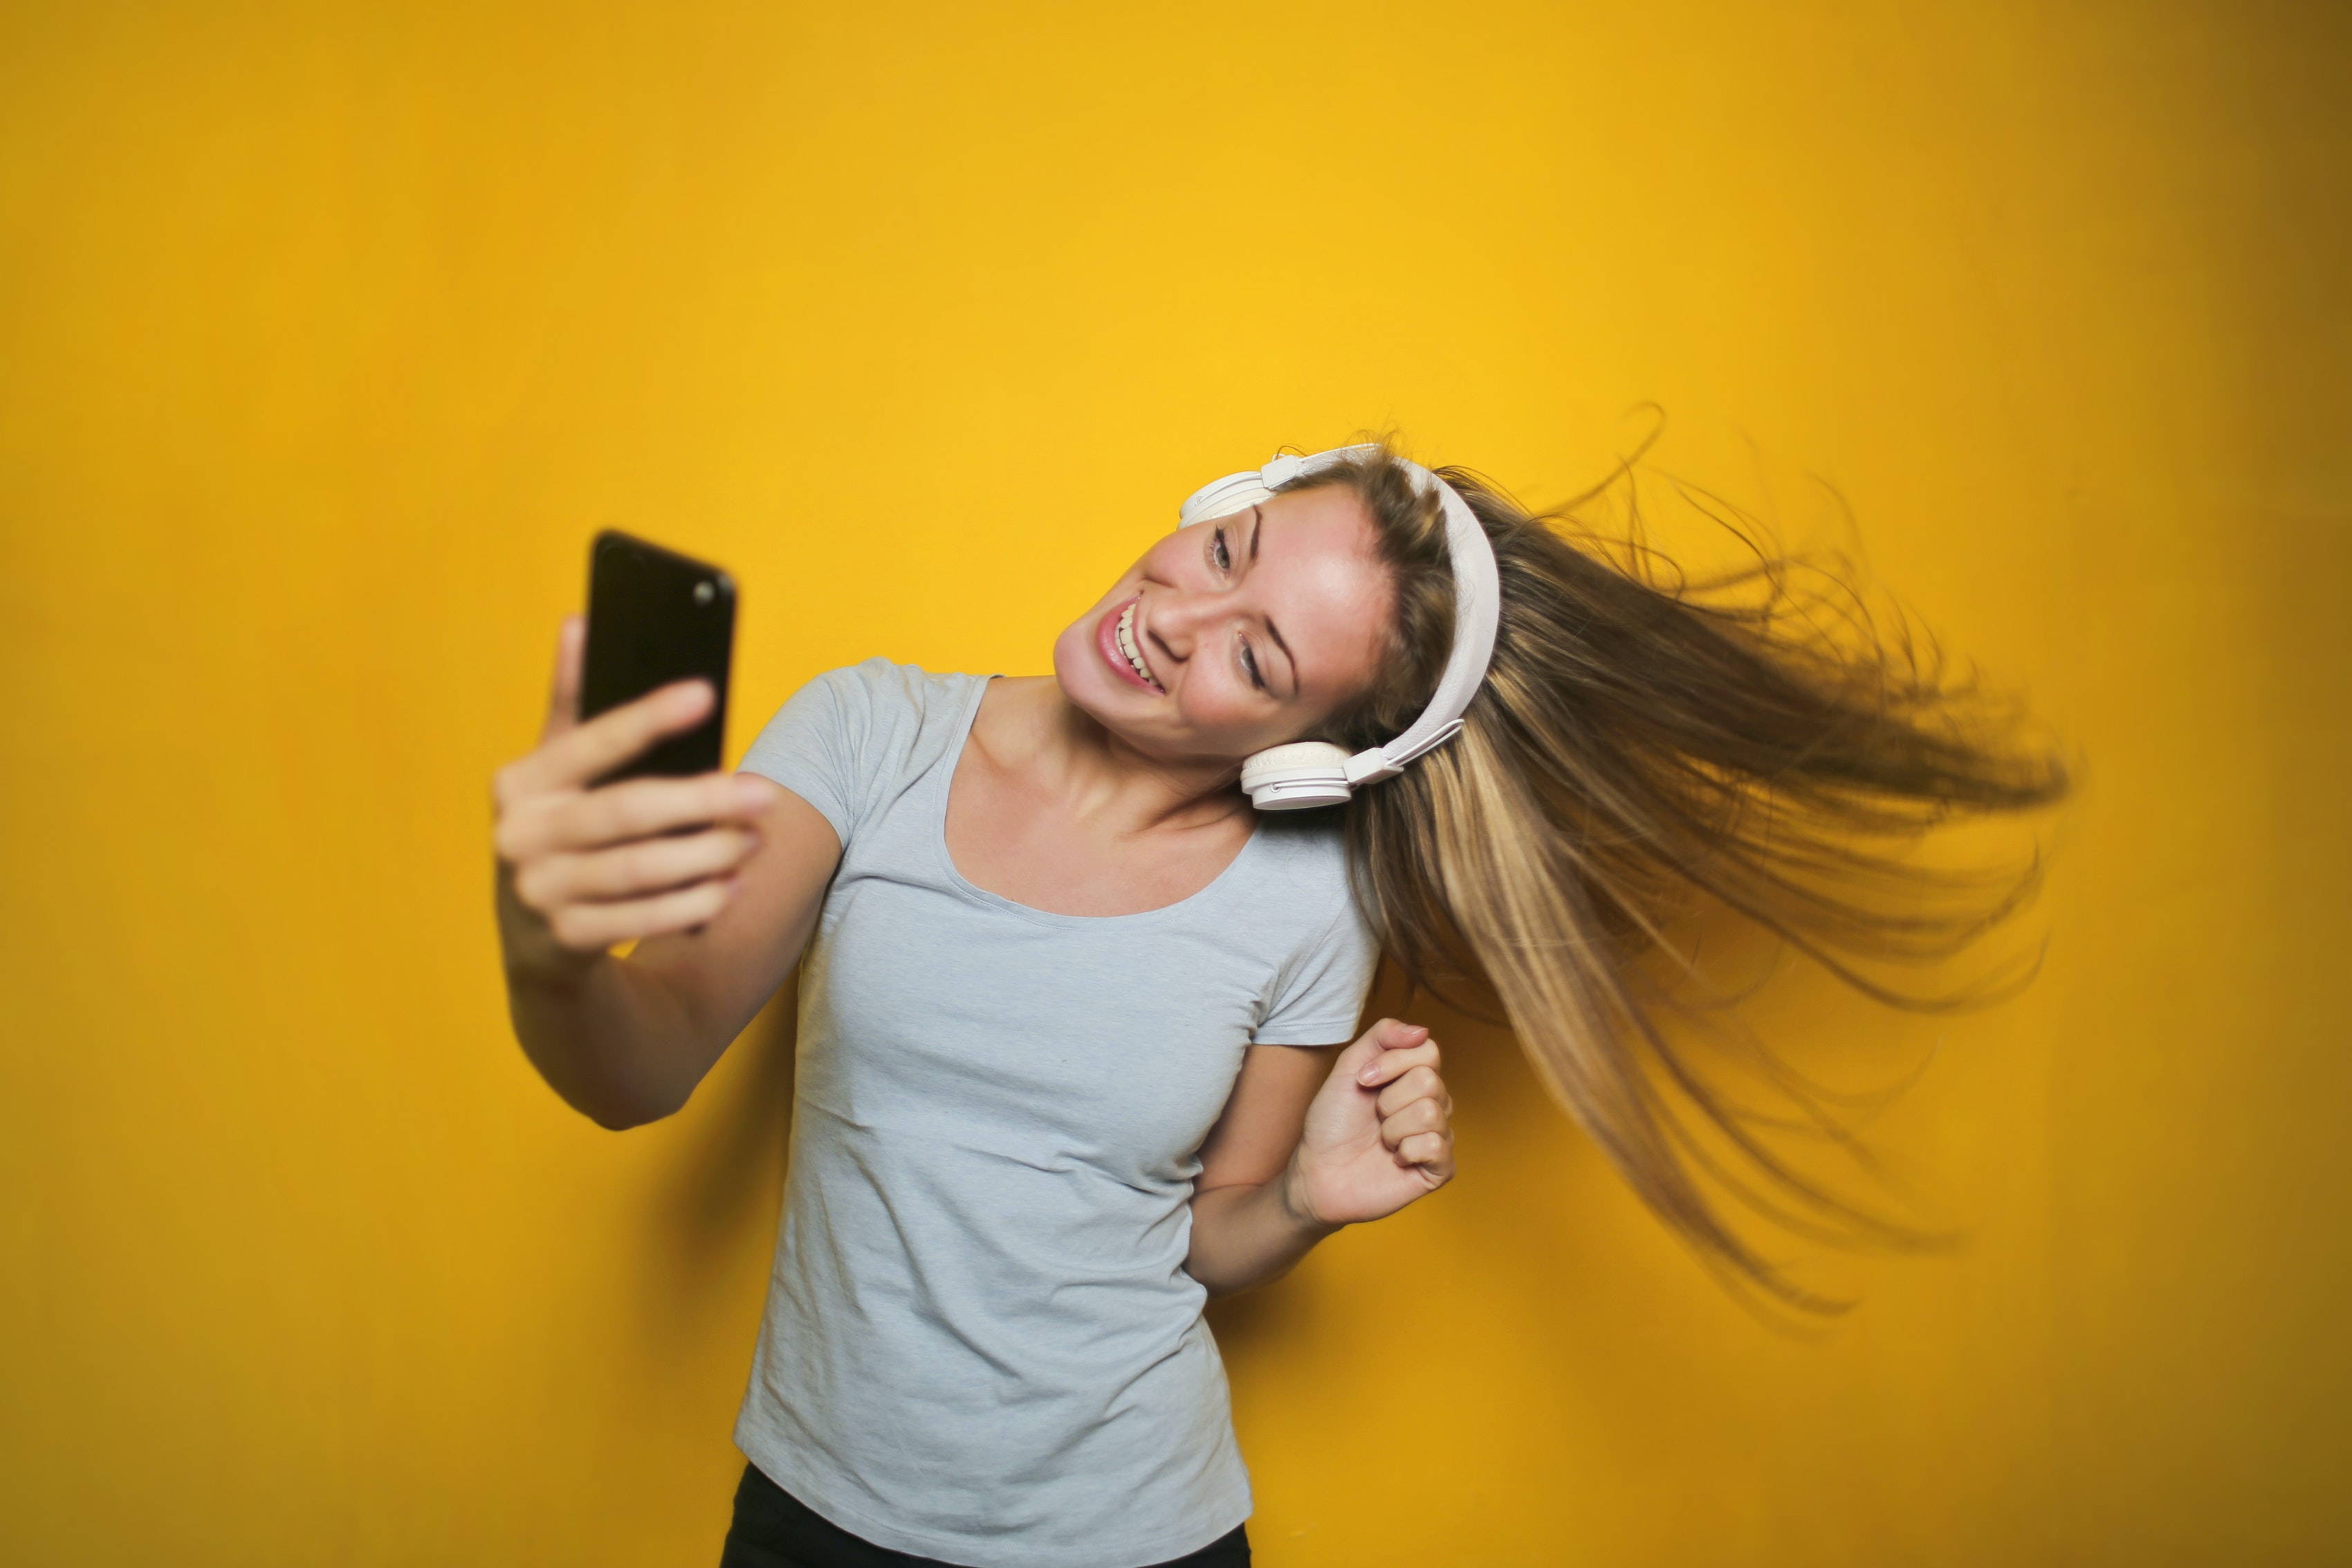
x=1643 y=743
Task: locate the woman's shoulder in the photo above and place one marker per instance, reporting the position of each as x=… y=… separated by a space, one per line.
x=845 y=738
x=1305 y=838
x=877 y=703
x=1300 y=859
x=1311 y=927
x=878 y=684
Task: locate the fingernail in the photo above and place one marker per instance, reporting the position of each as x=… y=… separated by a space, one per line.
x=751 y=793
x=1368 y=1074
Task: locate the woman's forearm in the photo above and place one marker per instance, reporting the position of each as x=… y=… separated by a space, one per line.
x=1246 y=1236
x=607 y=1035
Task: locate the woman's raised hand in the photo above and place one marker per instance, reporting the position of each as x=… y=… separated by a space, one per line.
x=581 y=868
x=1379 y=1133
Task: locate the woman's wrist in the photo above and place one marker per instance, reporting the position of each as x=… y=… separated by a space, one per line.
x=1296 y=1207
x=1245 y=1236
x=550 y=967
x=530 y=950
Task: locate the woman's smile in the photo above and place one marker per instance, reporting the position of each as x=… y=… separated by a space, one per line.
x=1122 y=646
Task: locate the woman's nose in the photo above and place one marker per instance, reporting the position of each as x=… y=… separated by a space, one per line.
x=1178 y=618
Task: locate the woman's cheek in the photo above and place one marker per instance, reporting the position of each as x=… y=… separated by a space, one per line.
x=1230 y=719
x=1206 y=712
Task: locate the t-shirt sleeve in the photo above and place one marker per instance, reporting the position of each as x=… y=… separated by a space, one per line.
x=1320 y=997
x=828 y=743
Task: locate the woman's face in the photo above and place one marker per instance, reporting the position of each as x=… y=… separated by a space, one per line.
x=1235 y=634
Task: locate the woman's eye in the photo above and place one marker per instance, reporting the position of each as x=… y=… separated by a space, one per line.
x=1249 y=663
x=1219 y=553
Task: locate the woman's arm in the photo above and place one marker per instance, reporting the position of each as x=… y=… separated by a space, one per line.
x=1306 y=1144
x=719 y=880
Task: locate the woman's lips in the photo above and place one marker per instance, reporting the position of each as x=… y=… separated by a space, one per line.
x=1106 y=644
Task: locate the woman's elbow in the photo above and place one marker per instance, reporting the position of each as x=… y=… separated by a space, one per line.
x=620 y=1113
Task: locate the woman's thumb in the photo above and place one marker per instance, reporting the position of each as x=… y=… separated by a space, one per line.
x=563 y=694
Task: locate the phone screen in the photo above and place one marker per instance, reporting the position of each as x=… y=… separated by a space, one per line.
x=653 y=617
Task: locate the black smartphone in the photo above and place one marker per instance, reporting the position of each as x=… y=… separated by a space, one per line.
x=653 y=617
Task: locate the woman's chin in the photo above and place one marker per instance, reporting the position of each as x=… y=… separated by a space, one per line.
x=1077 y=671
x=1093 y=690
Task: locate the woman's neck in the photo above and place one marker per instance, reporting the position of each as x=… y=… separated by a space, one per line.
x=1026 y=726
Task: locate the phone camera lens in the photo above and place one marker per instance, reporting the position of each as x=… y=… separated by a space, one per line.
x=704 y=593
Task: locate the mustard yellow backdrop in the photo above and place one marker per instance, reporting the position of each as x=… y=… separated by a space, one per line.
x=329 y=333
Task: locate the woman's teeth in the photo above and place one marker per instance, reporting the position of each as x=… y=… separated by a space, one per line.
x=1127 y=643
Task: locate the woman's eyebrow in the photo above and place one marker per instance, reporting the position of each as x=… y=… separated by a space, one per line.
x=1257 y=526
x=1275 y=632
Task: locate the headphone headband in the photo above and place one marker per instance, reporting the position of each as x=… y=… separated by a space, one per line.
x=1317 y=773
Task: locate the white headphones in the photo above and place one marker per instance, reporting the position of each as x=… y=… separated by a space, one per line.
x=1315 y=772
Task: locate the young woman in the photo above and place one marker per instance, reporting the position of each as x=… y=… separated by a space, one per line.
x=1074 y=1011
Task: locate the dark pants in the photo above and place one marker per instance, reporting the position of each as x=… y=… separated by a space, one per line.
x=774 y=1529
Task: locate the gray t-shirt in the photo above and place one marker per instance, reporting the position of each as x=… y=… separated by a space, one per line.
x=981 y=1344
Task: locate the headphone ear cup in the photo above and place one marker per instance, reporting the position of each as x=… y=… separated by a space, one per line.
x=1297 y=777
x=1222 y=498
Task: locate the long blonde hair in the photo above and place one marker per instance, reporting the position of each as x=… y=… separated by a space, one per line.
x=1643 y=742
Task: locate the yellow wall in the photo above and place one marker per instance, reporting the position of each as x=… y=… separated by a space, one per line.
x=328 y=333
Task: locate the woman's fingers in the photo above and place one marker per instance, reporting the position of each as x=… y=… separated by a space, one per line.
x=1415 y=1109
x=1420 y=1132
x=1364 y=1055
x=1397 y=1048
x=1421 y=1116
x=634 y=870
x=1393 y=1065
x=642 y=808
x=586 y=752
x=1421 y=1083
x=588 y=927
x=578 y=820
x=1432 y=1152
x=581 y=754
